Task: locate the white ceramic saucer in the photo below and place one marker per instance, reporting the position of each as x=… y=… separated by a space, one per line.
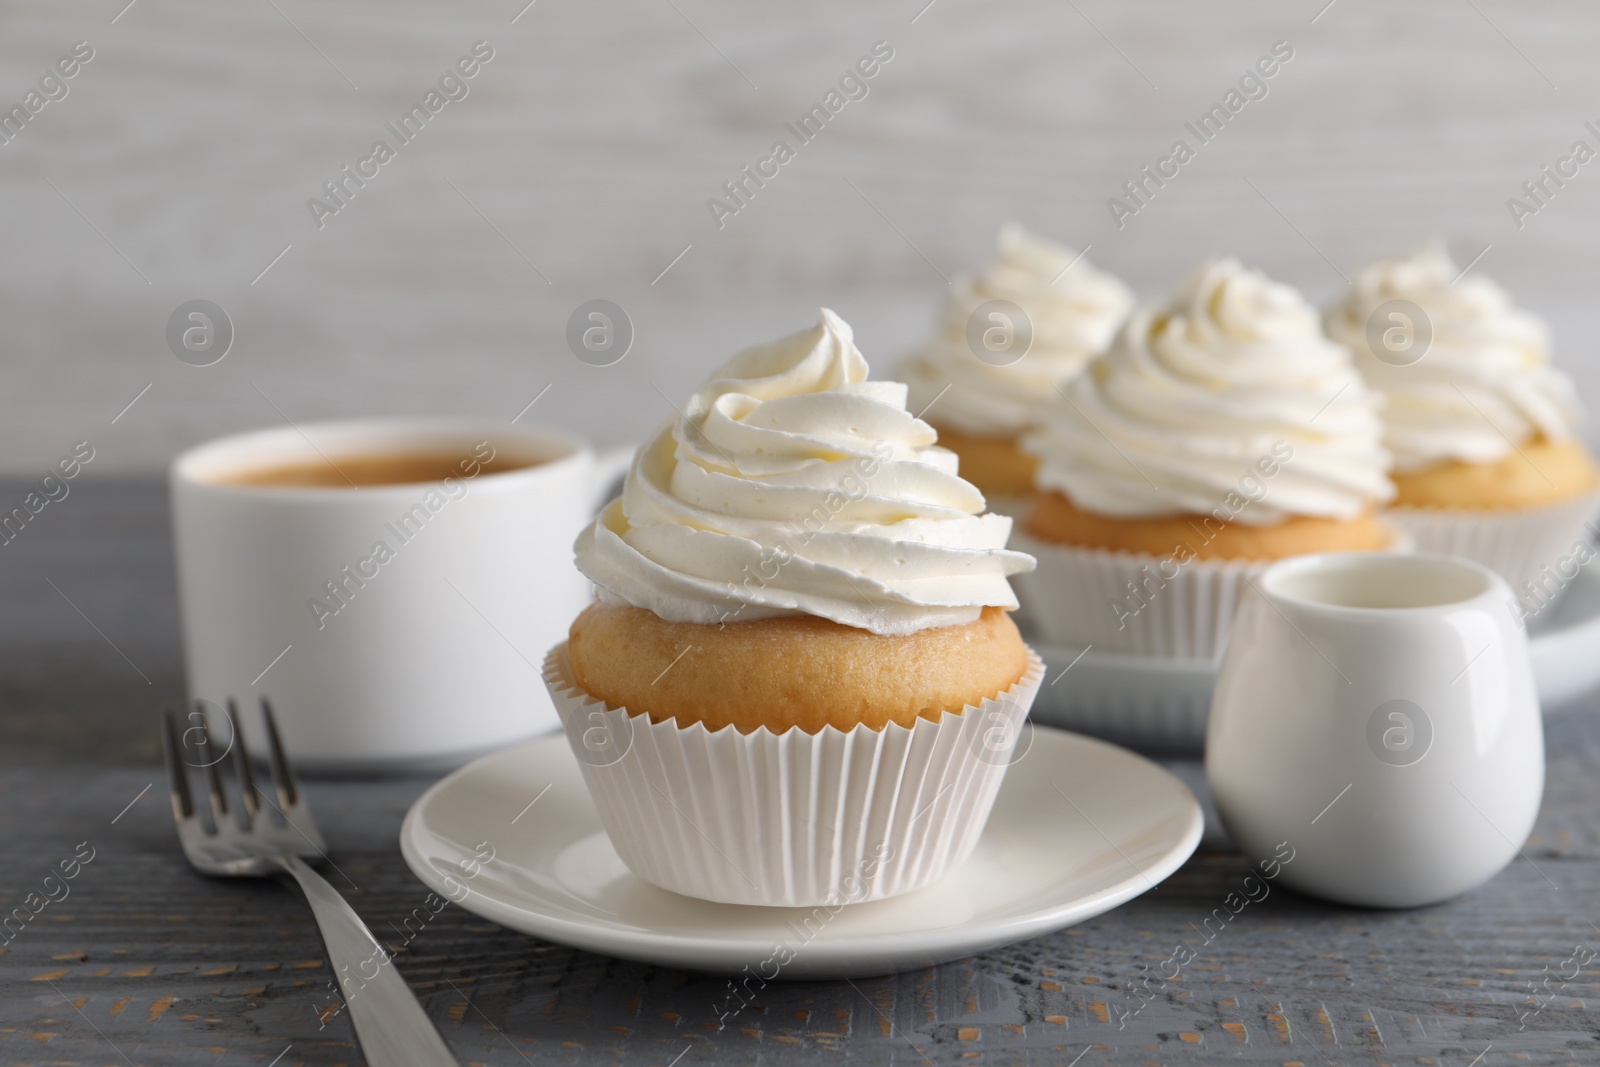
x=1080 y=826
x=1151 y=702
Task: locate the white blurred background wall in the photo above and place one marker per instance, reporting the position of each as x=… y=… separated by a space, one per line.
x=180 y=163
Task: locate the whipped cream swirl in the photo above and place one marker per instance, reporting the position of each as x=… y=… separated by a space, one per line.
x=1197 y=399
x=1074 y=313
x=1482 y=385
x=789 y=484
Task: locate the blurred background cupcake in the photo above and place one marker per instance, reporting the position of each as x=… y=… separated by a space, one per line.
x=1221 y=432
x=1482 y=427
x=1005 y=343
x=800 y=683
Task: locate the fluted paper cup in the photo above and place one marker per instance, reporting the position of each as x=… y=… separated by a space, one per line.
x=1137 y=604
x=1519 y=544
x=792 y=819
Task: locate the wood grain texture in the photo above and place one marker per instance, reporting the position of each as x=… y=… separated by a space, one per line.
x=146 y=960
x=585 y=153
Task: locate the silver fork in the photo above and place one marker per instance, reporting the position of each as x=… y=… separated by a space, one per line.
x=245 y=840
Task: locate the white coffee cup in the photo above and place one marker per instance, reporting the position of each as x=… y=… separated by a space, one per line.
x=392 y=627
x=1375 y=719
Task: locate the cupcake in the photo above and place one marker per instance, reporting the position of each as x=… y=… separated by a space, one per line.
x=985 y=380
x=1487 y=463
x=799 y=683
x=1219 y=433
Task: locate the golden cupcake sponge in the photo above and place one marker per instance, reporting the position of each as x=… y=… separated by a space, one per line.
x=1541 y=473
x=1057 y=519
x=794 y=671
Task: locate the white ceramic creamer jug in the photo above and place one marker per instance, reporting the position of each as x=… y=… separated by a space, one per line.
x=1377 y=713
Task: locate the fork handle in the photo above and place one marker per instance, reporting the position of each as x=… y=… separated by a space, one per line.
x=393 y=1029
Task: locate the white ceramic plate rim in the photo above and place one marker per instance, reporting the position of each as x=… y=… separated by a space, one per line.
x=834 y=956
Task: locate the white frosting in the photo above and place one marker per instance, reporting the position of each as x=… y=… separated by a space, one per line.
x=1195 y=400
x=1074 y=313
x=1483 y=385
x=789 y=484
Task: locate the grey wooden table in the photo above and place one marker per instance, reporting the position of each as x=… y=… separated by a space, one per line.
x=141 y=961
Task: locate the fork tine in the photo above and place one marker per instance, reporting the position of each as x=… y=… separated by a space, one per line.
x=219 y=799
x=288 y=792
x=294 y=810
x=178 y=777
x=241 y=764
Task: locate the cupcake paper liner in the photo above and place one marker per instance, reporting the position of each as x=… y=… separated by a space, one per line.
x=1126 y=602
x=792 y=819
x=1518 y=545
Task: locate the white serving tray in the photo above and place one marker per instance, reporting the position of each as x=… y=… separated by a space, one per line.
x=1161 y=704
